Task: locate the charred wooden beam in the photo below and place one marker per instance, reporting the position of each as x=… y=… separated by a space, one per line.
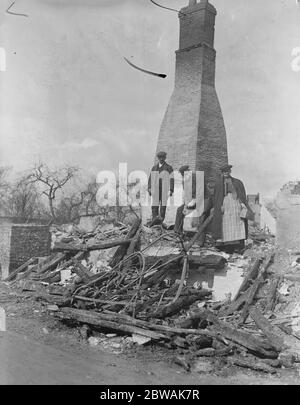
x=92 y=318
x=82 y=272
x=20 y=269
x=181 y=303
x=122 y=250
x=268 y=329
x=249 y=278
x=255 y=287
x=52 y=263
x=252 y=344
x=253 y=364
x=68 y=247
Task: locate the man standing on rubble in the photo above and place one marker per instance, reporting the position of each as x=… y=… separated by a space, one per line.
x=231 y=211
x=160 y=187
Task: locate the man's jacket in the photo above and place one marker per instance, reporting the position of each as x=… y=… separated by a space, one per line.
x=156 y=178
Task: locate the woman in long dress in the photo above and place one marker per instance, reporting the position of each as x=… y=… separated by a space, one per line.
x=231 y=210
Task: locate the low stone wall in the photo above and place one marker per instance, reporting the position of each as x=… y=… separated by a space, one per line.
x=20 y=242
x=5 y=238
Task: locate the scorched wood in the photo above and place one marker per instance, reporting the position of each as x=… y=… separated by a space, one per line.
x=253 y=344
x=24 y=266
x=68 y=247
x=255 y=287
x=181 y=303
x=269 y=330
x=122 y=250
x=92 y=318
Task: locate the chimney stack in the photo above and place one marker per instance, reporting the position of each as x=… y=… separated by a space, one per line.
x=193 y=130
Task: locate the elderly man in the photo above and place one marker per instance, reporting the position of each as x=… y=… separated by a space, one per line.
x=160 y=187
x=231 y=211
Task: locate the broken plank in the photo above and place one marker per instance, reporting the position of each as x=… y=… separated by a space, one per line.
x=211 y=261
x=188 y=246
x=268 y=329
x=272 y=295
x=52 y=263
x=68 y=247
x=253 y=364
x=92 y=318
x=63 y=266
x=210 y=352
x=24 y=266
x=181 y=303
x=70 y=262
x=125 y=319
x=82 y=272
x=235 y=305
x=99 y=301
x=33 y=269
x=255 y=287
x=253 y=344
x=251 y=275
x=121 y=318
x=122 y=250
x=292 y=277
x=133 y=244
x=51 y=299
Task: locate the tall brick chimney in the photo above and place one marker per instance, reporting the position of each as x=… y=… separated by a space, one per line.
x=193 y=131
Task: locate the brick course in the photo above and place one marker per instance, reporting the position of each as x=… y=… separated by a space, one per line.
x=193 y=130
x=20 y=242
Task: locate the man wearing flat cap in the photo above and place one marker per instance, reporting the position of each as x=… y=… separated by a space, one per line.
x=231 y=210
x=160 y=186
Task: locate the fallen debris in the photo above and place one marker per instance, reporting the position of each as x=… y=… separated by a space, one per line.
x=143 y=289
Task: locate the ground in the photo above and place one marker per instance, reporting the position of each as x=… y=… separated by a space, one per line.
x=38 y=349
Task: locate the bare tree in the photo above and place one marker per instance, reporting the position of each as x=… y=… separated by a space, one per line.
x=51 y=181
x=24 y=201
x=68 y=209
x=4 y=189
x=80 y=202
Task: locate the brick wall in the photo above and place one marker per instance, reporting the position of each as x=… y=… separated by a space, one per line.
x=193 y=130
x=197 y=24
x=5 y=237
x=18 y=243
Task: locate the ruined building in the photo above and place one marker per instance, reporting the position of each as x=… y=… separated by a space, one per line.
x=193 y=131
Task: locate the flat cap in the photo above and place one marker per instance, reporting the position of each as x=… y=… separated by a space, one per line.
x=161 y=154
x=226 y=168
x=184 y=168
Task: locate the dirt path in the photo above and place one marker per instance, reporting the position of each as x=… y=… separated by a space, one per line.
x=37 y=349
x=25 y=361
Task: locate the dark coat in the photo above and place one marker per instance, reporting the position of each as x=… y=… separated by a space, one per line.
x=158 y=187
x=219 y=194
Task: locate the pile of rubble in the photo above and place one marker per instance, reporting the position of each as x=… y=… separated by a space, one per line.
x=135 y=281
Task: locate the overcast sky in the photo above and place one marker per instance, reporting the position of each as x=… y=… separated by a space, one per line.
x=68 y=96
